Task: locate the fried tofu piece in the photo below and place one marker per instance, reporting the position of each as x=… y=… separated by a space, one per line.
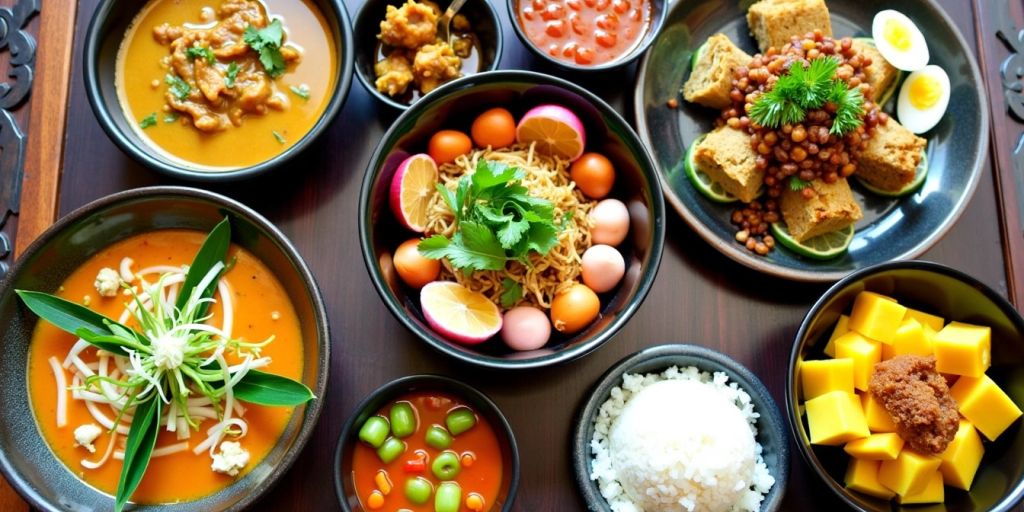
x=891 y=157
x=880 y=73
x=726 y=157
x=832 y=208
x=775 y=22
x=711 y=78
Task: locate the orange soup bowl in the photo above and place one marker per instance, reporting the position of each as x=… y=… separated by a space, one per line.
x=154 y=226
x=181 y=112
x=484 y=464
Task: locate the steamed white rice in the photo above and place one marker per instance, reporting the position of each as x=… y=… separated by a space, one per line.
x=681 y=440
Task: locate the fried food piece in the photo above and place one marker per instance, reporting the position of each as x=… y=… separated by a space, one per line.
x=394 y=73
x=435 y=64
x=710 y=81
x=410 y=26
x=832 y=208
x=774 y=22
x=917 y=398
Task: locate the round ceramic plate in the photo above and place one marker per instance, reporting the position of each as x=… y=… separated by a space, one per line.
x=892 y=228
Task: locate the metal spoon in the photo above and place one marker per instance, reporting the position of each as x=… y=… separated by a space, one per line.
x=444 y=22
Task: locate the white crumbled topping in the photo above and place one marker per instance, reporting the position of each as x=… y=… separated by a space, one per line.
x=275 y=315
x=231 y=459
x=86 y=434
x=169 y=351
x=108 y=281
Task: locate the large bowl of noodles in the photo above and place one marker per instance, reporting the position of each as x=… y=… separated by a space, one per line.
x=454 y=106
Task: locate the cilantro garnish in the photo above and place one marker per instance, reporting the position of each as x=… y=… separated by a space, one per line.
x=267 y=42
x=148 y=121
x=301 y=91
x=229 y=80
x=200 y=52
x=497 y=221
x=179 y=88
x=170 y=118
x=796 y=184
x=279 y=137
x=512 y=292
x=810 y=87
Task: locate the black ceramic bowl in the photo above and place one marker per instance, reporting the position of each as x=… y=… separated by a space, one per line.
x=455 y=105
x=483 y=19
x=102 y=40
x=25 y=459
x=771 y=431
x=657 y=18
x=953 y=295
x=343 y=482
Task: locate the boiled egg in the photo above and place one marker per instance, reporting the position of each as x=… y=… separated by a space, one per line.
x=923 y=99
x=899 y=40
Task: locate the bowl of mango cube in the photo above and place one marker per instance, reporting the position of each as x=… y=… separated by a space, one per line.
x=905 y=391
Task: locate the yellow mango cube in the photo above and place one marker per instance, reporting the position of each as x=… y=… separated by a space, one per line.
x=909 y=473
x=862 y=476
x=888 y=352
x=962 y=457
x=911 y=338
x=835 y=418
x=876 y=316
x=825 y=375
x=933 y=492
x=839 y=330
x=884 y=446
x=985 y=405
x=865 y=354
x=963 y=349
x=925 y=319
x=877 y=417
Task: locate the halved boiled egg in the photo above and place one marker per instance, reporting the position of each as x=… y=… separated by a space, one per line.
x=899 y=40
x=923 y=99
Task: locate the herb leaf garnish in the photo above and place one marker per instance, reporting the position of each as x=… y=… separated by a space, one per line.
x=200 y=52
x=497 y=221
x=138 y=448
x=805 y=88
x=268 y=389
x=278 y=137
x=230 y=75
x=148 y=121
x=511 y=293
x=179 y=88
x=796 y=183
x=267 y=42
x=301 y=91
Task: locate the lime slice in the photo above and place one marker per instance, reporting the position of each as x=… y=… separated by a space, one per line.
x=701 y=181
x=695 y=56
x=459 y=313
x=555 y=129
x=821 y=247
x=894 y=86
x=411 y=189
x=919 y=175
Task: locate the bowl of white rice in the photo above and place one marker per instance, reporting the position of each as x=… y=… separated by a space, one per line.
x=680 y=428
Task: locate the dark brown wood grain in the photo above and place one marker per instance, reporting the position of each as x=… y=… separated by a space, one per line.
x=699 y=296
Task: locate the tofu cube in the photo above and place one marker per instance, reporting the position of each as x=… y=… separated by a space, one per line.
x=910 y=473
x=925 y=319
x=890 y=160
x=726 y=157
x=911 y=338
x=774 y=22
x=962 y=457
x=883 y=446
x=880 y=74
x=876 y=316
x=832 y=208
x=835 y=418
x=866 y=353
x=710 y=80
x=985 y=405
x=933 y=492
x=862 y=476
x=839 y=330
x=877 y=417
x=826 y=375
x=963 y=349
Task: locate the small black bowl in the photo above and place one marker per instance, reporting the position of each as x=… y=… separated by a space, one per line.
x=658 y=8
x=771 y=432
x=343 y=485
x=26 y=460
x=483 y=19
x=103 y=39
x=953 y=295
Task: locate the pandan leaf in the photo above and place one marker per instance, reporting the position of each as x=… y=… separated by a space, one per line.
x=262 y=388
x=138 y=448
x=214 y=250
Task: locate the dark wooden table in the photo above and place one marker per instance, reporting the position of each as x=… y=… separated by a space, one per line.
x=699 y=296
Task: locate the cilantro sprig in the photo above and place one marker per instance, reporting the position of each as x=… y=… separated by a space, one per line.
x=267 y=42
x=230 y=75
x=497 y=221
x=200 y=52
x=179 y=88
x=805 y=88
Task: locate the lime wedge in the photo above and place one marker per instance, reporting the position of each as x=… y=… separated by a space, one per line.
x=900 y=74
x=821 y=247
x=701 y=181
x=695 y=56
x=919 y=175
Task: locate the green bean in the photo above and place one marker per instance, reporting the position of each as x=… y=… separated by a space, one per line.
x=390 y=450
x=439 y=438
x=418 y=490
x=403 y=419
x=460 y=420
x=374 y=431
x=446 y=465
x=448 y=497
